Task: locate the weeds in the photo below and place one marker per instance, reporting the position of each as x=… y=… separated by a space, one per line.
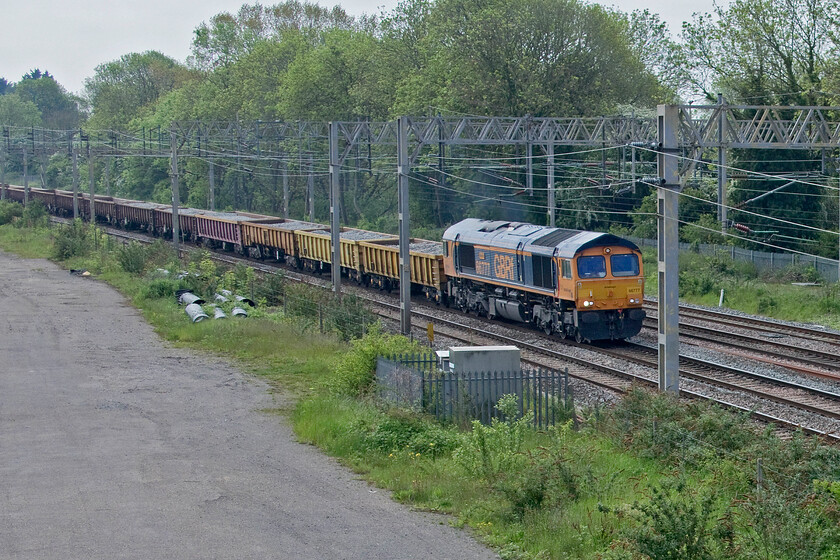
x=73 y=240
x=132 y=258
x=355 y=373
x=9 y=212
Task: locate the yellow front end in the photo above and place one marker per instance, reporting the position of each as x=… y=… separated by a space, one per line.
x=609 y=278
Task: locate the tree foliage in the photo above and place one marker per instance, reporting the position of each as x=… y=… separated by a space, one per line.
x=765 y=51
x=226 y=38
x=59 y=110
x=122 y=89
x=15 y=111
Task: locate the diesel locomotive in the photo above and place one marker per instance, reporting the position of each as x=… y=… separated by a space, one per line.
x=579 y=284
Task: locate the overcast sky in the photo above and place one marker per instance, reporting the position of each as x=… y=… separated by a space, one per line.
x=69 y=38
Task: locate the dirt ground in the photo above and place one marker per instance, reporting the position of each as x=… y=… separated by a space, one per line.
x=114 y=445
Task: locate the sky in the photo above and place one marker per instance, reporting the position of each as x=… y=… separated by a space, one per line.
x=70 y=38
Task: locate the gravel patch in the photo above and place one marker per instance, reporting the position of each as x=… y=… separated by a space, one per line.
x=115 y=445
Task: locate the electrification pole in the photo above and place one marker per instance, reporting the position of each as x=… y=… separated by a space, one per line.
x=75 y=156
x=92 y=188
x=285 y=190
x=667 y=196
x=2 y=169
x=550 y=183
x=25 y=178
x=211 y=171
x=311 y=190
x=721 y=194
x=108 y=175
x=402 y=191
x=176 y=226
x=335 y=192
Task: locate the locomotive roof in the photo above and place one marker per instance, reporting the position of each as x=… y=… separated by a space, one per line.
x=538 y=240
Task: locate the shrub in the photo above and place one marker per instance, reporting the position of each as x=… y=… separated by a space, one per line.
x=397 y=430
x=132 y=258
x=544 y=478
x=73 y=240
x=9 y=211
x=34 y=215
x=488 y=452
x=354 y=374
x=161 y=288
x=347 y=316
x=676 y=524
x=270 y=289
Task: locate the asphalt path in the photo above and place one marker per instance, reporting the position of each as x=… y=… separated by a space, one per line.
x=115 y=445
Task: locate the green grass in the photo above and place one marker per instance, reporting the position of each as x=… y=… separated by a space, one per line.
x=28 y=243
x=771 y=294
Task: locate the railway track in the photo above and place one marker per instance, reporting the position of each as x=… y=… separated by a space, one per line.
x=823 y=404
x=787 y=354
x=617 y=378
x=754 y=324
x=782 y=391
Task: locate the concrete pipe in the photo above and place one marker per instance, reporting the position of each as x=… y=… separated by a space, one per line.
x=186 y=298
x=195 y=312
x=239 y=312
x=243 y=299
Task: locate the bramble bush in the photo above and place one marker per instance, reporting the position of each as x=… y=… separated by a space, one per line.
x=354 y=375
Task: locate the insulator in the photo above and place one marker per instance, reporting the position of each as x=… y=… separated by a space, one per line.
x=653 y=180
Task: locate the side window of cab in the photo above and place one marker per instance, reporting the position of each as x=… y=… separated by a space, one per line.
x=566 y=266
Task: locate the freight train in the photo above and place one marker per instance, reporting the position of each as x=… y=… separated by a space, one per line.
x=578 y=284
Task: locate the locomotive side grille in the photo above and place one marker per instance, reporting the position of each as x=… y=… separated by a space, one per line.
x=555 y=237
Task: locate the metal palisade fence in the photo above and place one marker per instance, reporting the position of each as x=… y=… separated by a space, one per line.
x=825 y=267
x=415 y=381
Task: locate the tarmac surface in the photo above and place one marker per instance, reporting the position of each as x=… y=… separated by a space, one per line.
x=114 y=445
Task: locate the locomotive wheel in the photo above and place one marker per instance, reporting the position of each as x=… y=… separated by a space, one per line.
x=547 y=327
x=578 y=337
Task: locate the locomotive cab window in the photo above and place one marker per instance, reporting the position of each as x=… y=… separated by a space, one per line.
x=592 y=267
x=624 y=265
x=567 y=268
